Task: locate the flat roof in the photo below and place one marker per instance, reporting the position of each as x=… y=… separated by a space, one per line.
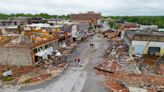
x=44 y=25
x=16 y=41
x=131 y=34
x=142 y=32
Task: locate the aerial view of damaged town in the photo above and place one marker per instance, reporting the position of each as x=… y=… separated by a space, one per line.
x=81 y=46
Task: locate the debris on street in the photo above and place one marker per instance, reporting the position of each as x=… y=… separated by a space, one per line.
x=123 y=70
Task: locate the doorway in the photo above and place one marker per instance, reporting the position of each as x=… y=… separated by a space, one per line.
x=154 y=50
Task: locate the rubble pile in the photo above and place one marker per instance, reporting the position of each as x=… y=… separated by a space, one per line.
x=121 y=71
x=139 y=80
x=116 y=86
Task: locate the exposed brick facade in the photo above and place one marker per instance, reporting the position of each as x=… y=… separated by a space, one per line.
x=89 y=17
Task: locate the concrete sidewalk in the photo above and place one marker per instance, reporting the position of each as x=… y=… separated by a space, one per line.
x=65 y=84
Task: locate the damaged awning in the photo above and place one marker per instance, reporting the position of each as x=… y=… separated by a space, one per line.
x=44 y=53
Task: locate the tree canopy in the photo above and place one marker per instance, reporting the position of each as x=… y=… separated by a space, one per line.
x=43 y=15
x=145 y=20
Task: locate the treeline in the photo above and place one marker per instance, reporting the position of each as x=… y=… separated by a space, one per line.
x=145 y=20
x=42 y=15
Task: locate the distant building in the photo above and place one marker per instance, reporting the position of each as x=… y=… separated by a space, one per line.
x=14 y=21
x=77 y=31
x=82 y=30
x=6 y=23
x=42 y=26
x=54 y=21
x=149 y=27
x=161 y=29
x=18 y=21
x=9 y=30
x=36 y=20
x=89 y=17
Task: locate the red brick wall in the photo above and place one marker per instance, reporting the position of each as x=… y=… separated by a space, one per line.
x=93 y=17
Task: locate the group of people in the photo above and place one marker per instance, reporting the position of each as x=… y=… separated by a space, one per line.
x=91 y=45
x=77 y=60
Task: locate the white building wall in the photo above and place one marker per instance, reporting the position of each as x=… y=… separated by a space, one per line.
x=74 y=31
x=150 y=44
x=138 y=47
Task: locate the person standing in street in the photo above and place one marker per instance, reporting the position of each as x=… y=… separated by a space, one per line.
x=75 y=60
x=78 y=60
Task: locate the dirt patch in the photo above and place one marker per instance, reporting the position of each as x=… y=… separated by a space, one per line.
x=150 y=60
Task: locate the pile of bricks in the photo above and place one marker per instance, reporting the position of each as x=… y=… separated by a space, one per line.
x=161 y=69
x=39 y=78
x=140 y=80
x=17 y=71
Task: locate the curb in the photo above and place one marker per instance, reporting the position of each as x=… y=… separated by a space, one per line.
x=40 y=82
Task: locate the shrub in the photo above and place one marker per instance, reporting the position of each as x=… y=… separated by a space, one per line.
x=8 y=78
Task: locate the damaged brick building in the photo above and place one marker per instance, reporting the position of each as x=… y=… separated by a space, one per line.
x=27 y=48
